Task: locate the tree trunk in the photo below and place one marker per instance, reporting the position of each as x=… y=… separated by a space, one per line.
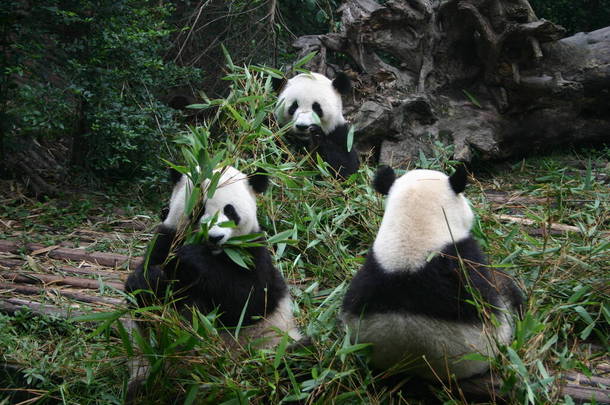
x=485 y=76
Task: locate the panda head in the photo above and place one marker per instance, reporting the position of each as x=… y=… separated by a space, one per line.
x=425 y=211
x=234 y=200
x=312 y=102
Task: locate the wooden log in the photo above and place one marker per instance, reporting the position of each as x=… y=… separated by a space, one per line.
x=578 y=386
x=91 y=236
x=503 y=198
x=101 y=258
x=31 y=290
x=5 y=262
x=87 y=271
x=12 y=305
x=37 y=278
x=105 y=275
x=586 y=389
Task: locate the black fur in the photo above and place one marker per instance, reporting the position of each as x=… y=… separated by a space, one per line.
x=259 y=181
x=317 y=109
x=164 y=213
x=174 y=176
x=332 y=148
x=438 y=290
x=458 y=179
x=342 y=83
x=229 y=211
x=278 y=84
x=384 y=178
x=206 y=281
x=293 y=107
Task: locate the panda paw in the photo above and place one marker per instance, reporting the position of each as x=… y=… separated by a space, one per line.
x=191 y=261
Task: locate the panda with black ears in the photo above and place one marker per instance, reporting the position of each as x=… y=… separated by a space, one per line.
x=204 y=277
x=412 y=299
x=312 y=103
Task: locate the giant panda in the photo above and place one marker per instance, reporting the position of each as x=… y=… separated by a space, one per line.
x=204 y=277
x=312 y=103
x=412 y=298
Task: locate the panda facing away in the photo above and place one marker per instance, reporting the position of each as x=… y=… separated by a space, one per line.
x=204 y=277
x=412 y=299
x=312 y=102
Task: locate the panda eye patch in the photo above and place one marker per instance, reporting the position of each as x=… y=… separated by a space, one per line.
x=230 y=212
x=293 y=107
x=317 y=109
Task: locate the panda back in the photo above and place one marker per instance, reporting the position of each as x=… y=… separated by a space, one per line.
x=440 y=289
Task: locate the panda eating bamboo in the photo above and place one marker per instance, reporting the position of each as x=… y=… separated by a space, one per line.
x=424 y=296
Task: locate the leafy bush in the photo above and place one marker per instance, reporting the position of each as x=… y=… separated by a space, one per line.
x=575 y=15
x=91 y=72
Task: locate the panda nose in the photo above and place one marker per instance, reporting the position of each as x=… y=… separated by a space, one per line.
x=215 y=239
x=314 y=129
x=302 y=127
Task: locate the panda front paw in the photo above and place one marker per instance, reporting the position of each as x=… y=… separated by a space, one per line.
x=191 y=261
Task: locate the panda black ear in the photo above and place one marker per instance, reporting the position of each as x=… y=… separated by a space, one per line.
x=384 y=178
x=342 y=83
x=174 y=175
x=458 y=179
x=278 y=84
x=259 y=181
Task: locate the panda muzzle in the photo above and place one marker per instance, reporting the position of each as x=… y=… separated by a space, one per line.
x=314 y=129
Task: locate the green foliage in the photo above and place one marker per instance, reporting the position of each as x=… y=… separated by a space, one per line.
x=574 y=15
x=91 y=72
x=55 y=359
x=307 y=17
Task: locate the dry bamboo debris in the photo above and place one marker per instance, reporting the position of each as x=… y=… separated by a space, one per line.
x=88 y=235
x=56 y=252
x=37 y=278
x=75 y=295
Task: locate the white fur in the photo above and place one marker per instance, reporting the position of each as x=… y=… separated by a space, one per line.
x=307 y=88
x=422 y=215
x=233 y=188
x=409 y=340
x=269 y=330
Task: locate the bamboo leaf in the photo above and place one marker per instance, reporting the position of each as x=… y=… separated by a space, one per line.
x=350 y=138
x=304 y=60
x=236 y=256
